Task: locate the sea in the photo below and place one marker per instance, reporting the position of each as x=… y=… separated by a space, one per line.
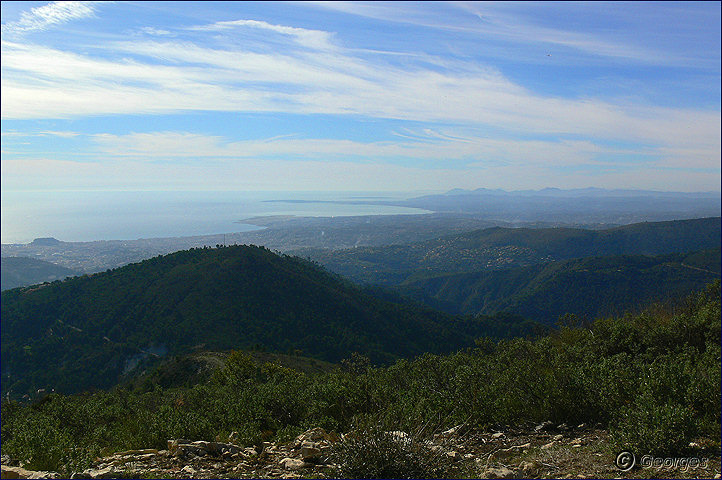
x=83 y=216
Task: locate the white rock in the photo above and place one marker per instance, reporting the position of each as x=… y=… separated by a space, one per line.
x=310 y=452
x=498 y=472
x=19 y=472
x=525 y=445
x=314 y=435
x=526 y=467
x=451 y=431
x=144 y=451
x=189 y=470
x=99 y=473
x=292 y=463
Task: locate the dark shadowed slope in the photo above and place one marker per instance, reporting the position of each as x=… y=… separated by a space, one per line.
x=22 y=271
x=502 y=248
x=589 y=287
x=88 y=331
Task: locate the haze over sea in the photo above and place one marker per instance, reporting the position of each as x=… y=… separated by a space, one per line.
x=79 y=216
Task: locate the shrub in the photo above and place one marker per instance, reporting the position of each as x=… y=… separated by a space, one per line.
x=653 y=379
x=654 y=428
x=374 y=452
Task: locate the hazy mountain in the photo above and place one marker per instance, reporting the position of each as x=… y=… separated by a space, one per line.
x=589 y=205
x=589 y=287
x=501 y=248
x=583 y=192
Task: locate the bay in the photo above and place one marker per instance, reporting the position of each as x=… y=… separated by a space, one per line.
x=79 y=216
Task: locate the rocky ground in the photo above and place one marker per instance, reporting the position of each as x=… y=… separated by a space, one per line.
x=546 y=451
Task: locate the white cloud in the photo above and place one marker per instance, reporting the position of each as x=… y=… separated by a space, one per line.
x=41 y=82
x=55 y=13
x=440 y=148
x=316 y=39
x=511 y=26
x=316 y=76
x=505 y=21
x=155 y=31
x=46 y=133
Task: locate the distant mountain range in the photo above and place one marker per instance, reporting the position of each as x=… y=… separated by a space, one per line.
x=501 y=248
x=94 y=331
x=589 y=205
x=583 y=192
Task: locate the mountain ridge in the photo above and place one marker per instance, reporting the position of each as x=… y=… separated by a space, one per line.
x=589 y=287
x=23 y=271
x=501 y=247
x=88 y=331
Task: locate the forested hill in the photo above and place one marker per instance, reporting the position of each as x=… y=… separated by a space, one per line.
x=590 y=287
x=21 y=271
x=500 y=248
x=86 y=331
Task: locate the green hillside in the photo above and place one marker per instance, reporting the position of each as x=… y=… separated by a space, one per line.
x=88 y=331
x=651 y=380
x=22 y=271
x=589 y=288
x=195 y=368
x=501 y=248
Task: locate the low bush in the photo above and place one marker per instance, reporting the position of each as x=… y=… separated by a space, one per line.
x=653 y=379
x=372 y=451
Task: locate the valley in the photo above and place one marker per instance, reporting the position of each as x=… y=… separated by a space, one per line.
x=437 y=321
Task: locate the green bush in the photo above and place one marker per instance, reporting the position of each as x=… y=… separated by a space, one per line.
x=374 y=452
x=653 y=379
x=650 y=427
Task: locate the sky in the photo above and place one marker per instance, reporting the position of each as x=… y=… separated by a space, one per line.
x=356 y=96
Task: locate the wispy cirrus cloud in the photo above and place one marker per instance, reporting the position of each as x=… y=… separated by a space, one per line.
x=440 y=147
x=45 y=133
x=55 y=13
x=316 y=39
x=516 y=23
x=42 y=82
x=155 y=31
x=446 y=112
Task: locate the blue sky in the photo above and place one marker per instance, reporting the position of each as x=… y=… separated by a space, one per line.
x=337 y=96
